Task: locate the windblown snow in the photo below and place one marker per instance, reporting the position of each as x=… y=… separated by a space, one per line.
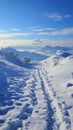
x=36 y=97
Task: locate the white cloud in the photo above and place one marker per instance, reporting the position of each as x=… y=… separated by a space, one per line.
x=10 y=35
x=60 y=42
x=56 y=16
x=44 y=33
x=66 y=31
x=40 y=29
x=14 y=29
x=37 y=42
x=12 y=42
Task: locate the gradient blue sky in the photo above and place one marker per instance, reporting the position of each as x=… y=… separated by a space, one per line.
x=36 y=22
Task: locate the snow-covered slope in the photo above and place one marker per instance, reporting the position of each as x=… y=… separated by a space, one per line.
x=12 y=97
x=39 y=97
x=59 y=74
x=32 y=55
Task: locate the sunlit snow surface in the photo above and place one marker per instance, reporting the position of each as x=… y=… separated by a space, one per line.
x=39 y=97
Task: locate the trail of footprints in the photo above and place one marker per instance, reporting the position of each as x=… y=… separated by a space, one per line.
x=24 y=97
x=62 y=105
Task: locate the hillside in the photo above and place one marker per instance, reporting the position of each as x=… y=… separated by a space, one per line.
x=40 y=95
x=32 y=55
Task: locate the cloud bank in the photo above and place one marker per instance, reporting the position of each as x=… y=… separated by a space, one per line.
x=37 y=42
x=10 y=35
x=66 y=31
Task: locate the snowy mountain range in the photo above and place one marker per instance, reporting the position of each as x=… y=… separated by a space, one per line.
x=33 y=55
x=49 y=50
x=39 y=97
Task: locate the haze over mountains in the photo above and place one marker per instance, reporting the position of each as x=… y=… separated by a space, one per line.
x=49 y=50
x=40 y=53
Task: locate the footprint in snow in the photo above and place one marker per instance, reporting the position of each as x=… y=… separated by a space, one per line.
x=5 y=111
x=2 y=121
x=25 y=112
x=70 y=85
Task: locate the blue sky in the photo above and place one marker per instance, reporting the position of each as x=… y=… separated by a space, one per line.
x=36 y=22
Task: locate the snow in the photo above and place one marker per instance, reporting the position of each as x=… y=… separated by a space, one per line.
x=60 y=76
x=39 y=97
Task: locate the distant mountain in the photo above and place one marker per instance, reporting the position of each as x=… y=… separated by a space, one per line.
x=10 y=56
x=21 y=54
x=52 y=50
x=9 y=49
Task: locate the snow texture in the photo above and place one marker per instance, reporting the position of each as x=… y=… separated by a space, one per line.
x=36 y=97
